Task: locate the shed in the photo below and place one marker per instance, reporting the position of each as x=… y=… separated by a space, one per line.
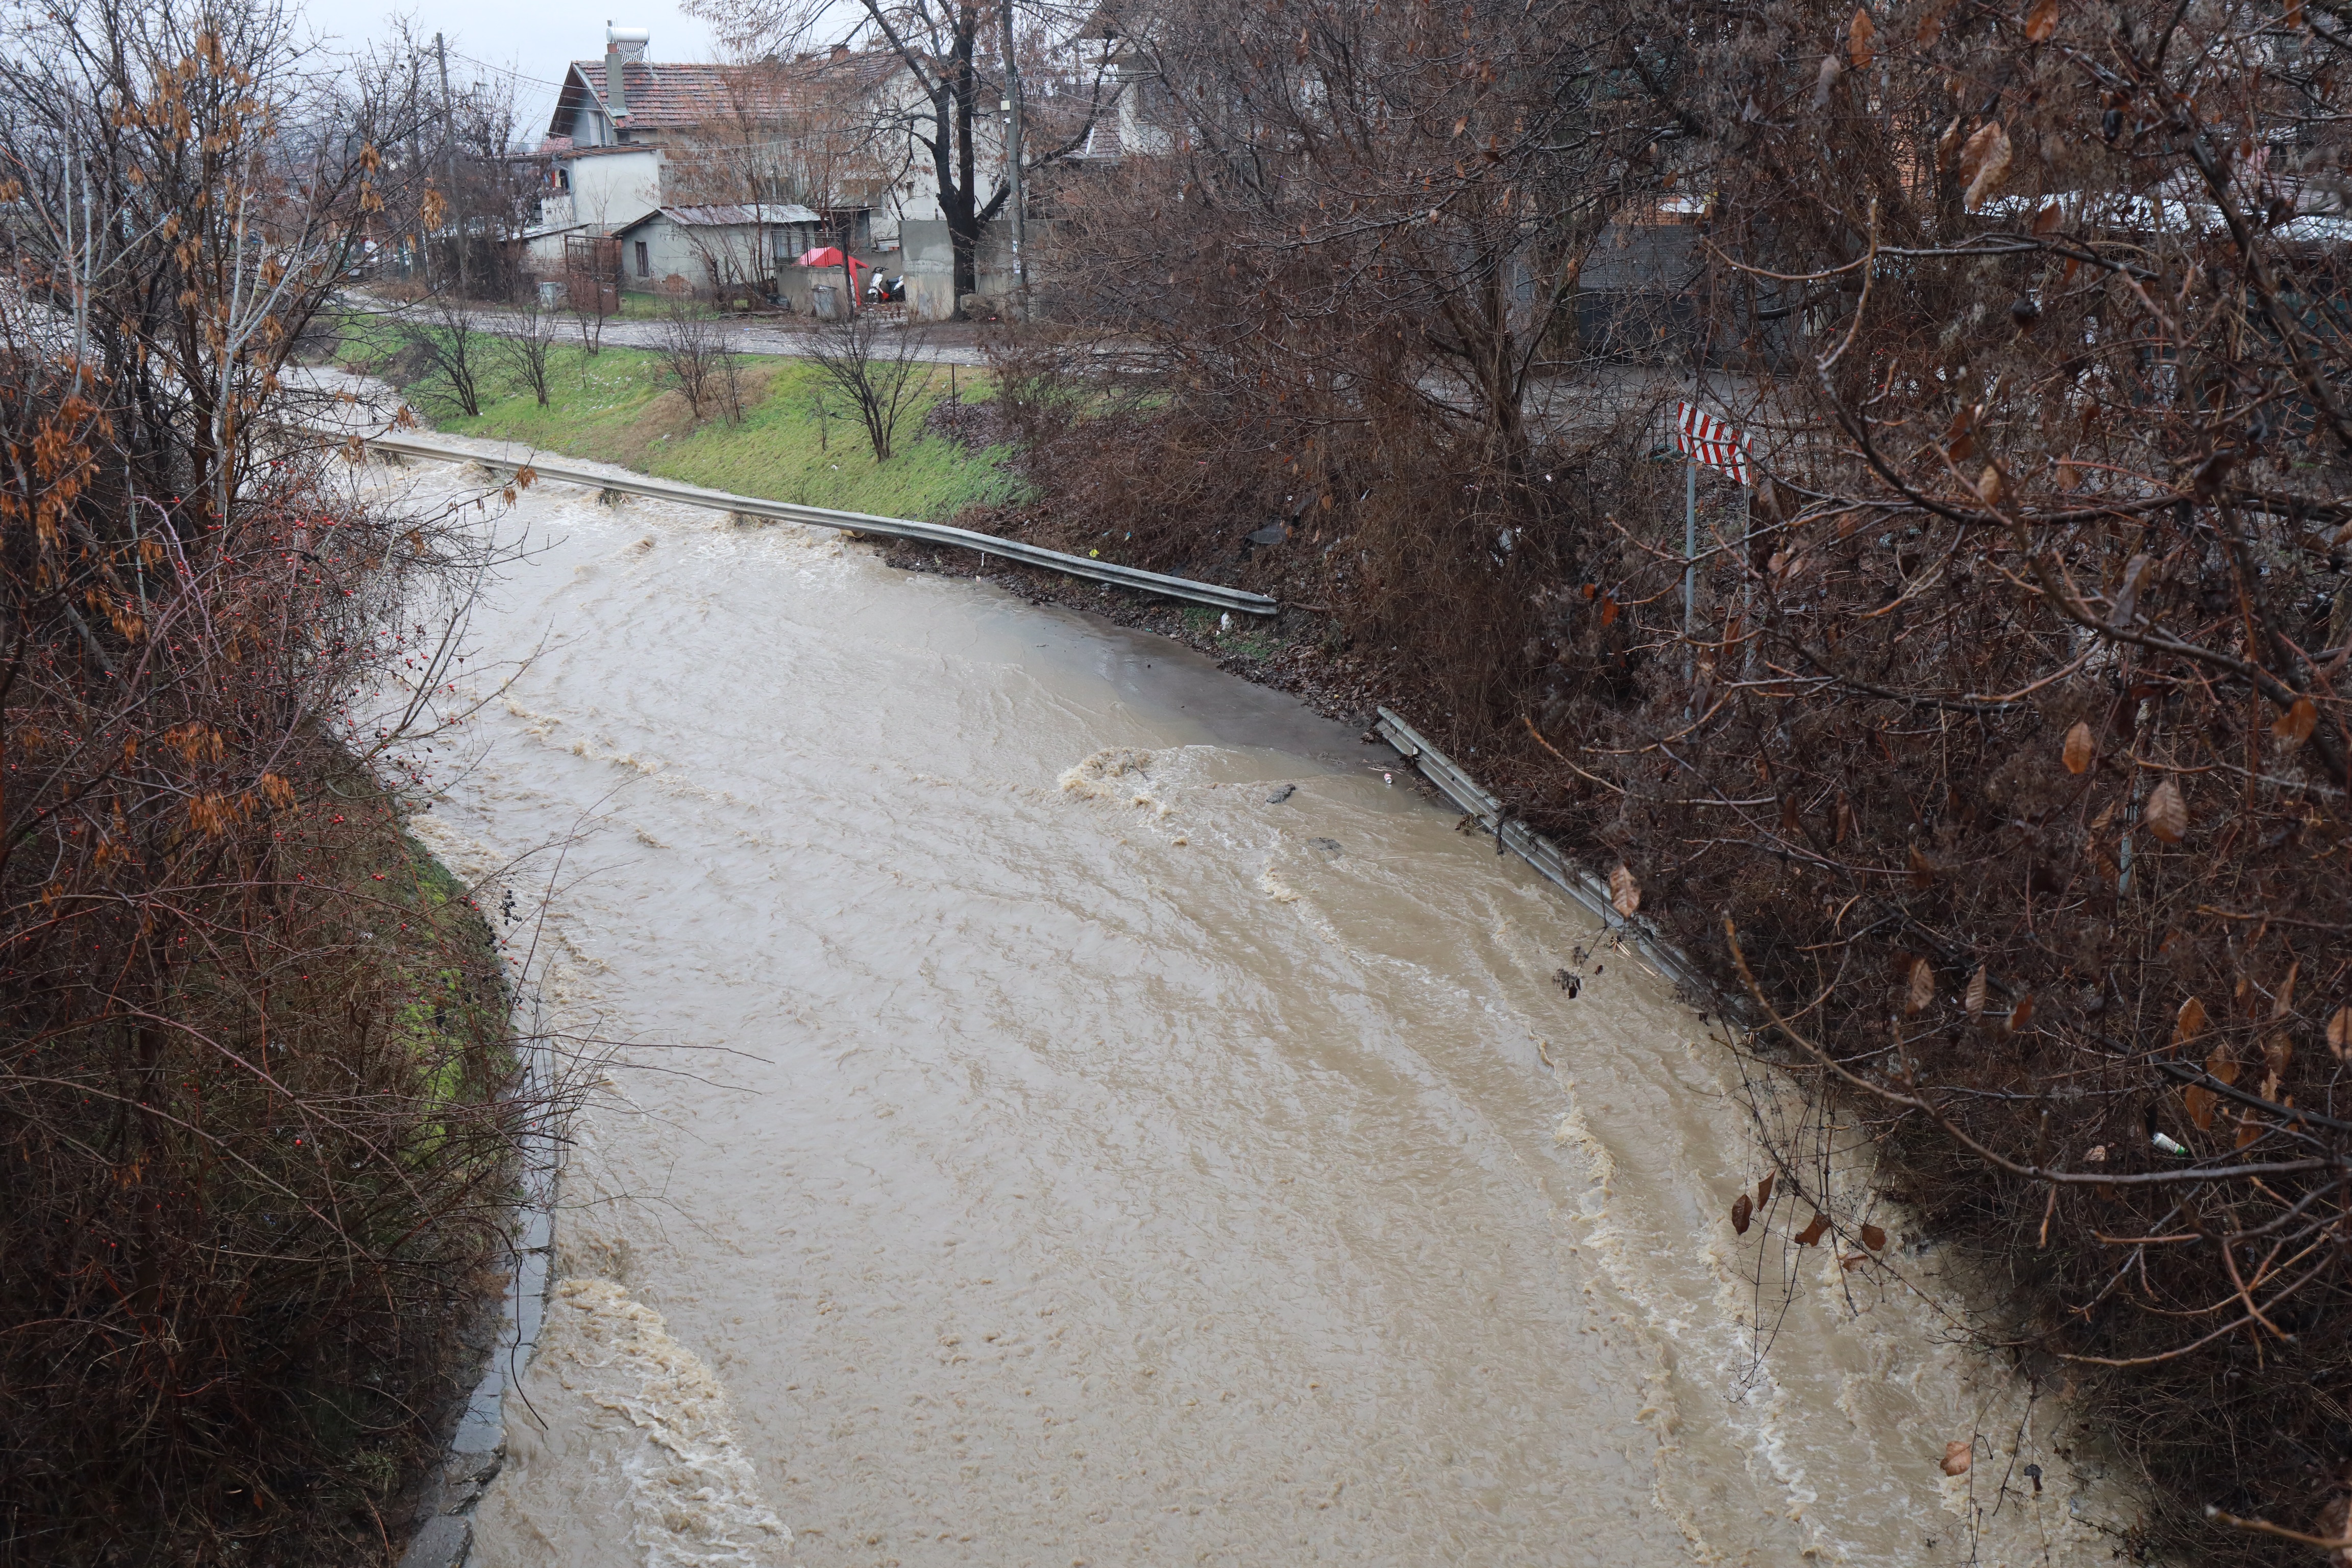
x=715 y=249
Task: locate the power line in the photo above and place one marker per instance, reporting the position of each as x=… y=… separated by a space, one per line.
x=507 y=71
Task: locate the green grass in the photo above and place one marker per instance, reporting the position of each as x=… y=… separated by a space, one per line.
x=618 y=406
x=1251 y=637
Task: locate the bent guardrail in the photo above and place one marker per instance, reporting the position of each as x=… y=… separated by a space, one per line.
x=1211 y=593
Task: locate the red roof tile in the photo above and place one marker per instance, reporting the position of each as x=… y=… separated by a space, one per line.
x=660 y=94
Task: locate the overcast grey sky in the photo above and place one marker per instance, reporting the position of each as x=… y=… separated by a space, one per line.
x=529 y=40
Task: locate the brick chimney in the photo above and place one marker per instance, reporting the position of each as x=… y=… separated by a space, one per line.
x=621 y=45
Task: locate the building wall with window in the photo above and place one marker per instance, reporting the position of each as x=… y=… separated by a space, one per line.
x=715 y=252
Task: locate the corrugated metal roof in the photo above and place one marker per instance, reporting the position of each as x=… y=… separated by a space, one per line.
x=722 y=214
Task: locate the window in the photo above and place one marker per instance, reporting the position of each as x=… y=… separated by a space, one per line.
x=645 y=262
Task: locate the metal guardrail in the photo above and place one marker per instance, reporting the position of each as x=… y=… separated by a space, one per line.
x=1211 y=593
x=1540 y=853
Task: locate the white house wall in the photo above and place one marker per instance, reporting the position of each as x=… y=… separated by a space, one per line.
x=612 y=190
x=899 y=97
x=745 y=254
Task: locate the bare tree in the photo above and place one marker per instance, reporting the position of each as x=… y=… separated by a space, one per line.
x=455 y=353
x=451 y=179
x=1370 y=204
x=767 y=142
x=592 y=285
x=699 y=356
x=525 y=352
x=876 y=366
x=927 y=94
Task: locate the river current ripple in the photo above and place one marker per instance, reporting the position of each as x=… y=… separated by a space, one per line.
x=1039 y=1145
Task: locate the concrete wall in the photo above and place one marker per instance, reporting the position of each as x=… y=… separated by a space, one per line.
x=706 y=261
x=798 y=285
x=543 y=253
x=927 y=256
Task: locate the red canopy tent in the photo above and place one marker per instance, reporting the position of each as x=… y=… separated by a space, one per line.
x=829 y=256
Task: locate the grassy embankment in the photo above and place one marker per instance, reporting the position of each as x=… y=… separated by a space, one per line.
x=799 y=440
x=308 y=1241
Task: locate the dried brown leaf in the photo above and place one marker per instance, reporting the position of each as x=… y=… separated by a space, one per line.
x=2046 y=220
x=2168 y=813
x=2284 y=1002
x=1984 y=163
x=2222 y=1064
x=2295 y=726
x=1977 y=984
x=1811 y=1235
x=2339 y=1034
x=1740 y=1211
x=1958 y=1455
x=1922 y=870
x=2189 y=1023
x=1960 y=436
x=1624 y=893
x=2201 y=1102
x=2278 y=1055
x=2080 y=748
x=1873 y=1237
x=1922 y=989
x=2041 y=21
x=1764 y=1189
x=1858 y=35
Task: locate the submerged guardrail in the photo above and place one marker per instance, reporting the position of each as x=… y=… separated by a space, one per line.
x=1543 y=855
x=1211 y=593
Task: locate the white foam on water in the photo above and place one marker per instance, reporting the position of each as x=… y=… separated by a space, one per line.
x=1106 y=775
x=1271 y=884
x=693 y=1500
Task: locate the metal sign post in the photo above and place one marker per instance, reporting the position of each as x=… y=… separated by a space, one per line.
x=1690 y=570
x=1707 y=442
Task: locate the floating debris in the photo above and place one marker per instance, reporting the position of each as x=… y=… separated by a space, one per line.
x=1284 y=793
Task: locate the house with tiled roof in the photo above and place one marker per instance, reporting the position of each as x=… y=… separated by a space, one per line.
x=631 y=137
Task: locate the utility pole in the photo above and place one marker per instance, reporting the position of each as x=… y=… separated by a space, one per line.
x=848 y=273
x=424 y=241
x=1690 y=570
x=449 y=145
x=1013 y=165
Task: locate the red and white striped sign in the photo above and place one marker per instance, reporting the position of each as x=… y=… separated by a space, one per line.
x=1709 y=442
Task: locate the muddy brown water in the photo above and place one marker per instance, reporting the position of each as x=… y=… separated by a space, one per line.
x=1039 y=1147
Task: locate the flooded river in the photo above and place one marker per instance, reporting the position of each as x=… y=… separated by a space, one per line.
x=1042 y=1145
